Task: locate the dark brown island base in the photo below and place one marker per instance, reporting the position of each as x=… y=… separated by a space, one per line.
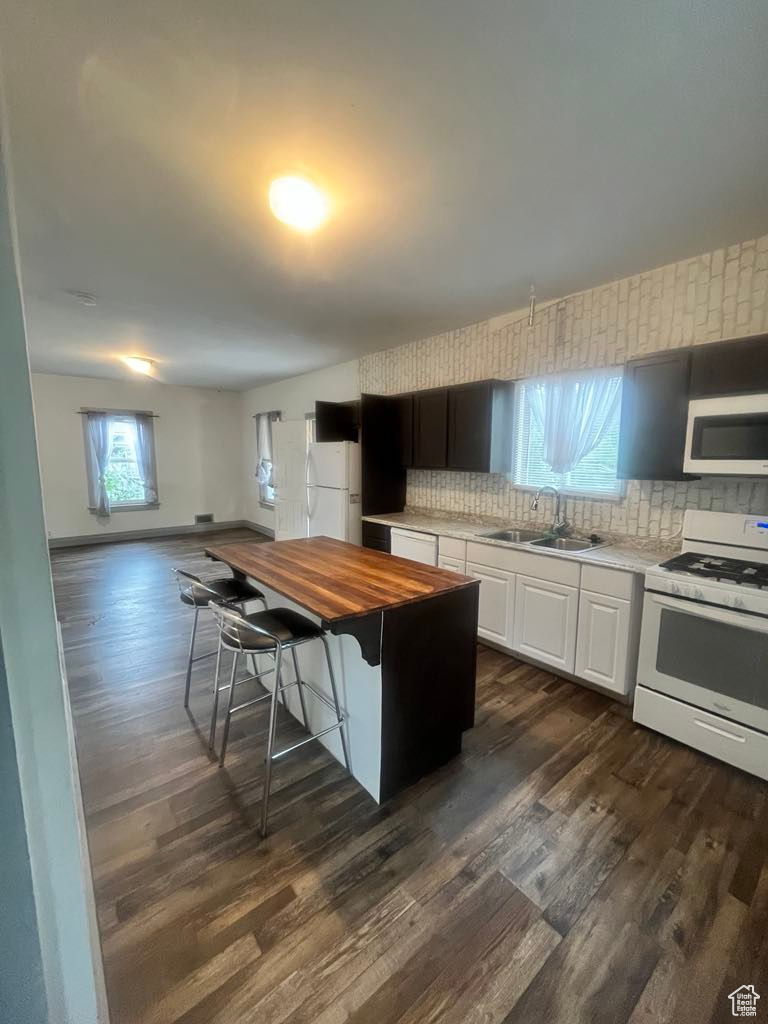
x=404 y=649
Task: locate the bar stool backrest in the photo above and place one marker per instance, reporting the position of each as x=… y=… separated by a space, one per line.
x=186 y=579
x=226 y=615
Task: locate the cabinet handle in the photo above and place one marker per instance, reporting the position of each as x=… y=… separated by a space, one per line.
x=721 y=732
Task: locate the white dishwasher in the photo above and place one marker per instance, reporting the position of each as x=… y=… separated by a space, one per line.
x=419 y=547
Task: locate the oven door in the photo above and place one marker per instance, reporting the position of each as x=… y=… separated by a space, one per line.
x=727 y=436
x=714 y=658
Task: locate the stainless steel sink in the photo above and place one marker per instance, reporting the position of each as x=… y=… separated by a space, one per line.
x=516 y=536
x=563 y=544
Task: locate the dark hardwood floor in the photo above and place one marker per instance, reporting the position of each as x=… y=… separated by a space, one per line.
x=567 y=867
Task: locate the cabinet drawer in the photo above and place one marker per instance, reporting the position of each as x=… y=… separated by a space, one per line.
x=453 y=547
x=613 y=582
x=452 y=564
x=735 y=744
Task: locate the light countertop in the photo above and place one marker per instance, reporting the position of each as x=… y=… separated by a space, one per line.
x=617 y=554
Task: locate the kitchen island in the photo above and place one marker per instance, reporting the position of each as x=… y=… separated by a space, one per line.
x=404 y=639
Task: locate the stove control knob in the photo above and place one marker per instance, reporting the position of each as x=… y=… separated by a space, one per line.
x=698 y=594
x=675 y=588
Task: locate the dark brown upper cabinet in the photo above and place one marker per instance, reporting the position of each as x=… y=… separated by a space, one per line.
x=337 y=421
x=404 y=429
x=654 y=415
x=383 y=472
x=730 y=367
x=430 y=429
x=480 y=427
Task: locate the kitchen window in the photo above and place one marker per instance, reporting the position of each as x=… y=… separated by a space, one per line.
x=566 y=433
x=120 y=460
x=264 y=462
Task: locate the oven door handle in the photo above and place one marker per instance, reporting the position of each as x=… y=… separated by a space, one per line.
x=735 y=618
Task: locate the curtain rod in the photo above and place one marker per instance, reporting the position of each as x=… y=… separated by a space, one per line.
x=119 y=412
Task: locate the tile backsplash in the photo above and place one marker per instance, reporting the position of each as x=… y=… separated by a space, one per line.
x=720 y=294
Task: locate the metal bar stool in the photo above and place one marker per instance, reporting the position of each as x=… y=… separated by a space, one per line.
x=201 y=593
x=271 y=632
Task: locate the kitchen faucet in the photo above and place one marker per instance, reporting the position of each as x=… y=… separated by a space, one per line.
x=560 y=523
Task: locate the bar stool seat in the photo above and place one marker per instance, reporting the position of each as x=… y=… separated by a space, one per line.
x=228 y=589
x=199 y=594
x=270 y=633
x=288 y=626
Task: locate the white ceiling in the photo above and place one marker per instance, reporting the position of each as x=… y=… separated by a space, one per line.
x=470 y=146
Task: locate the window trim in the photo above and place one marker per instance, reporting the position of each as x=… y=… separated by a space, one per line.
x=120 y=506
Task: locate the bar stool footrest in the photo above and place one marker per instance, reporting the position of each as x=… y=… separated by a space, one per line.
x=308 y=739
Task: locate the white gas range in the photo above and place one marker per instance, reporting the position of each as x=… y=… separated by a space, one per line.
x=703 y=667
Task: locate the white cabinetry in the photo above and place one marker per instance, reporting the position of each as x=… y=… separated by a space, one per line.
x=419 y=547
x=452 y=554
x=497 y=597
x=545 y=622
x=603 y=640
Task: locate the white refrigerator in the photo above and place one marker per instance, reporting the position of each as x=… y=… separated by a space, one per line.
x=317 y=486
x=333 y=491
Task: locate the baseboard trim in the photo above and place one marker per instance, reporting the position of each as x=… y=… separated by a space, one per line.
x=163 y=531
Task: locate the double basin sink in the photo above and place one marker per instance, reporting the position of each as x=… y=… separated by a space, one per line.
x=541 y=540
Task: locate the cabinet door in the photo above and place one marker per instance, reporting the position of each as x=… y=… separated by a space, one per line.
x=654 y=415
x=730 y=368
x=497 y=597
x=545 y=622
x=404 y=430
x=602 y=645
x=419 y=547
x=382 y=472
x=469 y=427
x=430 y=429
x=454 y=564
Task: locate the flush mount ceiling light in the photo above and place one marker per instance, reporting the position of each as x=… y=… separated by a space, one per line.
x=298 y=202
x=139 y=365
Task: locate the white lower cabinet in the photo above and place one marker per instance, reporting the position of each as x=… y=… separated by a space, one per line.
x=602 y=649
x=454 y=564
x=497 y=601
x=545 y=622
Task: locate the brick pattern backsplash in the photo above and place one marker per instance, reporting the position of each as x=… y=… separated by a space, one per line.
x=721 y=294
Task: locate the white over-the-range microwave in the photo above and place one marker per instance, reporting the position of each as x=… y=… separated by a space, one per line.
x=727 y=436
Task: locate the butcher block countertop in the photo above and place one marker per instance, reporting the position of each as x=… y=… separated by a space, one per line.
x=335 y=580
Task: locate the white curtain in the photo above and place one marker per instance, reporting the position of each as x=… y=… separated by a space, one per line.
x=264 y=421
x=99 y=444
x=145 y=456
x=573 y=411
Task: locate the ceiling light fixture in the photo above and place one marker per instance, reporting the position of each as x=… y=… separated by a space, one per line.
x=298 y=202
x=139 y=365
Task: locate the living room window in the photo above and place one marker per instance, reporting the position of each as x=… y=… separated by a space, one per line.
x=120 y=460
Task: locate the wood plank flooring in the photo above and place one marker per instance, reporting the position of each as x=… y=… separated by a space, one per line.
x=568 y=867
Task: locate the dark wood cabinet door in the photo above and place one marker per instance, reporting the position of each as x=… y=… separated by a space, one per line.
x=337 y=421
x=430 y=429
x=730 y=367
x=654 y=414
x=404 y=435
x=383 y=473
x=469 y=427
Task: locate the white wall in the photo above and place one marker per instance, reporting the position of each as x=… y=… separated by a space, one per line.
x=198 y=440
x=292 y=398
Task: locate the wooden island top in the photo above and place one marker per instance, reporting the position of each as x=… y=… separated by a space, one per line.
x=335 y=580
